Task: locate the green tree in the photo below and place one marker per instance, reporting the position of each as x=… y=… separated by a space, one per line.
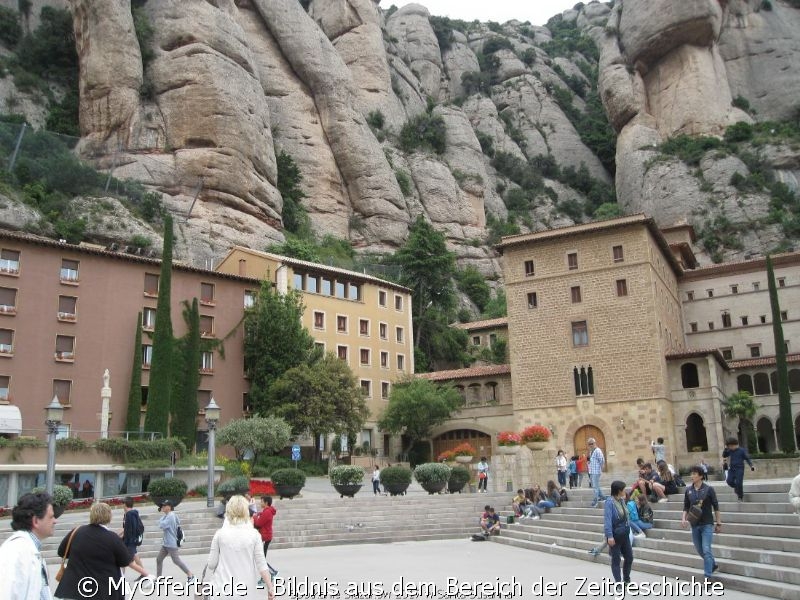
x=186 y=379
x=497 y=306
x=321 y=398
x=784 y=397
x=473 y=284
x=133 y=419
x=416 y=406
x=158 y=397
x=742 y=407
x=274 y=342
x=295 y=218
x=259 y=435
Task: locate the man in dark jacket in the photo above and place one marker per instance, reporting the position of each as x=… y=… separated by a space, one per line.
x=702 y=495
x=736 y=457
x=129 y=533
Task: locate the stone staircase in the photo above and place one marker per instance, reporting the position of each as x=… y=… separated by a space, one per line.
x=756 y=551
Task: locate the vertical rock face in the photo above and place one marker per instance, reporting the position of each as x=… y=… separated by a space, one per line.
x=418 y=46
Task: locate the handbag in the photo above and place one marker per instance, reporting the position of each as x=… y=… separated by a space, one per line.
x=64 y=560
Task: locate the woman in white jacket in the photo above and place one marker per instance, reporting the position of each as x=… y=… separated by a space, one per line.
x=237 y=556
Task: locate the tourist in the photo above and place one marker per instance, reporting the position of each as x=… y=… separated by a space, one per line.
x=583 y=468
x=637 y=524
x=736 y=456
x=529 y=509
x=169 y=523
x=573 y=472
x=518 y=502
x=700 y=495
x=596 y=463
x=668 y=480
x=794 y=494
x=650 y=483
x=263 y=521
x=237 y=554
x=659 y=450
x=376 y=481
x=130 y=530
x=616 y=528
x=704 y=465
x=561 y=468
x=490 y=522
x=96 y=553
x=483 y=474
x=25 y=577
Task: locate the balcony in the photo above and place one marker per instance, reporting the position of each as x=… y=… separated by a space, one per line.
x=69 y=276
x=65 y=356
x=6 y=350
x=9 y=267
x=6 y=309
x=67 y=317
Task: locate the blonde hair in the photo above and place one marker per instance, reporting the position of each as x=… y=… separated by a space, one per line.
x=100 y=514
x=237 y=510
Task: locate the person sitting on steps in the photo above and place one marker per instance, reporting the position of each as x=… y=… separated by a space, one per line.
x=490 y=522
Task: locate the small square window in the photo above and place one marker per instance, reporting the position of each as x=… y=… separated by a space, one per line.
x=781 y=281
x=326 y=287
x=148 y=318
x=206 y=326
x=710 y=293
x=69 y=271
x=206 y=293
x=784 y=315
x=529 y=269
x=763 y=319
x=297 y=281
x=206 y=362
x=8 y=301
x=398 y=302
x=618 y=254
x=341 y=352
x=320 y=346
x=382 y=327
x=247 y=406
x=319 y=320
x=62 y=389
x=693 y=327
x=572 y=261
x=580 y=333
x=575 y=293
x=65 y=347
x=727 y=353
x=366 y=387
x=711 y=325
x=382 y=298
x=726 y=320
x=6 y=341
x=341 y=324
x=533 y=301
x=755 y=351
x=9 y=262
x=734 y=289
x=384 y=390
x=150 y=284
x=401 y=362
x=340 y=289
x=622 y=287
x=399 y=335
x=147 y=355
x=5 y=382
x=690 y=296
x=384 y=360
x=744 y=321
x=756 y=286
x=354 y=291
x=476 y=340
x=364 y=356
x=312 y=284
x=363 y=327
x=249 y=298
x=67 y=308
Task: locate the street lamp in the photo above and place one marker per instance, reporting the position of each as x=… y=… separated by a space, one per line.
x=54 y=413
x=212 y=418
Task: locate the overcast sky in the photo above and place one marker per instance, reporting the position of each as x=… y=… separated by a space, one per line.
x=535 y=11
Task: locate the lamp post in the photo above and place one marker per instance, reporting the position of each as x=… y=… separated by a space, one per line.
x=54 y=415
x=212 y=418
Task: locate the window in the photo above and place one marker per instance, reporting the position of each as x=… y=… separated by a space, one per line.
x=382 y=298
x=756 y=286
x=247 y=406
x=312 y=284
x=8 y=301
x=755 y=350
x=533 y=301
x=354 y=291
x=618 y=254
x=384 y=360
x=341 y=324
x=5 y=381
x=341 y=352
x=326 y=287
x=726 y=319
x=781 y=281
x=249 y=299
x=150 y=284
x=363 y=326
x=206 y=362
x=399 y=334
x=575 y=292
x=689 y=376
x=69 y=270
x=6 y=341
x=584 y=381
x=364 y=356
x=148 y=318
x=693 y=327
x=319 y=320
x=366 y=387
x=62 y=389
x=67 y=309
x=734 y=289
x=384 y=390
x=9 y=261
x=206 y=293
x=727 y=353
x=763 y=319
x=711 y=325
x=206 y=325
x=529 y=270
x=147 y=355
x=492 y=339
x=622 y=287
x=476 y=340
x=401 y=362
x=710 y=293
x=784 y=315
x=65 y=347
x=744 y=321
x=203 y=398
x=690 y=296
x=320 y=346
x=572 y=261
x=580 y=333
x=382 y=330
x=398 y=302
x=339 y=287
x=297 y=281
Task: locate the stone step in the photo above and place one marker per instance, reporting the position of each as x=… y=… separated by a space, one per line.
x=754 y=513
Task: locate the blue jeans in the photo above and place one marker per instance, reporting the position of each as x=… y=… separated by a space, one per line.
x=736 y=481
x=621 y=549
x=545 y=504
x=562 y=478
x=702 y=536
x=595 y=479
x=639 y=526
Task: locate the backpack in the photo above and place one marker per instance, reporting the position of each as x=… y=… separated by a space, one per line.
x=646 y=514
x=139 y=530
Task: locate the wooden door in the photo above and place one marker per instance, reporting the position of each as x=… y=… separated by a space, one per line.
x=583 y=434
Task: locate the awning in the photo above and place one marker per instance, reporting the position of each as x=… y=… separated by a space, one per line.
x=10 y=419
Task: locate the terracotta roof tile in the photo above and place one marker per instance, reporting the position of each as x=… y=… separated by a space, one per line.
x=741 y=266
x=763 y=361
x=485 y=324
x=698 y=352
x=484 y=371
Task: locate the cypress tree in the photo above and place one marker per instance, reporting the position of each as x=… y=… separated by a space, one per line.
x=158 y=398
x=786 y=438
x=132 y=421
x=186 y=366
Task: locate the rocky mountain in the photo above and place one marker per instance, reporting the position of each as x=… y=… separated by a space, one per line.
x=484 y=128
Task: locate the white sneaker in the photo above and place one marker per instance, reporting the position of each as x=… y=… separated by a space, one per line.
x=663 y=500
x=640 y=535
x=536 y=517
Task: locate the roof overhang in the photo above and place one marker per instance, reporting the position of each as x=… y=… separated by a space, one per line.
x=10 y=419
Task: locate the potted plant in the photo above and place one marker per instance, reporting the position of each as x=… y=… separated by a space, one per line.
x=163 y=488
x=433 y=477
x=535 y=436
x=508 y=442
x=396 y=480
x=347 y=479
x=464 y=453
x=459 y=476
x=446 y=456
x=233 y=486
x=288 y=482
x=62 y=496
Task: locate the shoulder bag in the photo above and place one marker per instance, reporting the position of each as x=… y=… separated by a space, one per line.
x=695 y=512
x=64 y=560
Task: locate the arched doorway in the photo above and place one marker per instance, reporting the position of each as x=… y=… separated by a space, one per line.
x=696 y=438
x=765 y=435
x=583 y=434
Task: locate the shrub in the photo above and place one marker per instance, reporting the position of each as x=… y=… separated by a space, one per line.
x=765 y=5
x=535 y=433
x=528 y=57
x=464 y=449
x=236 y=485
x=690 y=149
x=346 y=475
x=128 y=451
x=742 y=102
x=62 y=495
x=496 y=43
x=432 y=473
x=10 y=28
x=396 y=476
x=459 y=476
x=404 y=181
x=423 y=131
x=167 y=486
x=376 y=119
x=509 y=438
x=73 y=444
x=446 y=456
x=739 y=132
x=292 y=477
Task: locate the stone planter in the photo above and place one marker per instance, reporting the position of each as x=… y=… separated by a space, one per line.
x=287 y=491
x=58 y=510
x=536 y=445
x=349 y=489
x=507 y=449
x=464 y=460
x=159 y=500
x=456 y=488
x=434 y=487
x=395 y=489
